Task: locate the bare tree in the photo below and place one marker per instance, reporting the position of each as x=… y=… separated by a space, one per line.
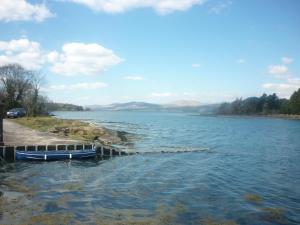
x=33 y=99
x=2 y=94
x=2 y=102
x=21 y=87
x=16 y=82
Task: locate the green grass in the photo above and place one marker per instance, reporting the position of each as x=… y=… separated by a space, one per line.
x=68 y=128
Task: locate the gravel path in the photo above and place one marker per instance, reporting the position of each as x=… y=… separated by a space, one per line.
x=15 y=134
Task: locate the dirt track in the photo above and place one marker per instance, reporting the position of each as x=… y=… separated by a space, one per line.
x=15 y=134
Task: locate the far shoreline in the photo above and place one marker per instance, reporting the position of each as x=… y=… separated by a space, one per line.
x=274 y=116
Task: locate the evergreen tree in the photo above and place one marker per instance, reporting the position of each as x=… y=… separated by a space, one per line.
x=266 y=104
x=295 y=102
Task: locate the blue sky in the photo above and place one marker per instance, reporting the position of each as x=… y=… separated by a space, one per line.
x=100 y=52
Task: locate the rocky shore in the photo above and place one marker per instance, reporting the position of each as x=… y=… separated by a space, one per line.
x=16 y=134
x=50 y=130
x=285 y=116
x=279 y=116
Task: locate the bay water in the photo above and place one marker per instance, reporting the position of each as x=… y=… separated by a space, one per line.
x=192 y=170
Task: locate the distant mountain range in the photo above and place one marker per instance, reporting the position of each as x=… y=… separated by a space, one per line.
x=178 y=106
x=126 y=106
x=184 y=103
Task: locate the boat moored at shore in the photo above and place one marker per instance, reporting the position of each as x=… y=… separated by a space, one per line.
x=57 y=155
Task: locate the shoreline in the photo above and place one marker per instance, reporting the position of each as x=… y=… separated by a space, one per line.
x=284 y=116
x=51 y=130
x=275 y=116
x=18 y=135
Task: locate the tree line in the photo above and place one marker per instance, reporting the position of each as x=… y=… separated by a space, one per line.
x=53 y=106
x=20 y=88
x=264 y=105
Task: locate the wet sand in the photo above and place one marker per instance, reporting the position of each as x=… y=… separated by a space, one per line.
x=15 y=134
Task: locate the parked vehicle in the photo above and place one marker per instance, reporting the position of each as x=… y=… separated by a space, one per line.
x=16 y=112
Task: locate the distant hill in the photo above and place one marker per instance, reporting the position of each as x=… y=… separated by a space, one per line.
x=202 y=109
x=54 y=106
x=141 y=106
x=184 y=103
x=182 y=106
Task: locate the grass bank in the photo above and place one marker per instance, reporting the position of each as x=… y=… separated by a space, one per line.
x=72 y=129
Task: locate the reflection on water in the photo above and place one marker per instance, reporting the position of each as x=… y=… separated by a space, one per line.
x=249 y=175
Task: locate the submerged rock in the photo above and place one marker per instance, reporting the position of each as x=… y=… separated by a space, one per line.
x=122 y=135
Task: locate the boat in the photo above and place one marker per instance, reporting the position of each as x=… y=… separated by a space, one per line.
x=55 y=155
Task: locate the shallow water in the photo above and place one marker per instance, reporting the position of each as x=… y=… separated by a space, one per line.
x=250 y=174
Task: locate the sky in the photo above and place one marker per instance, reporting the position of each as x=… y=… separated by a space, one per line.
x=160 y=51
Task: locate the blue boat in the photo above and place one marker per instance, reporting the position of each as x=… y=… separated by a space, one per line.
x=55 y=155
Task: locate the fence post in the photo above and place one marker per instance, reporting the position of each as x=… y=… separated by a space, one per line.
x=15 y=150
x=4 y=152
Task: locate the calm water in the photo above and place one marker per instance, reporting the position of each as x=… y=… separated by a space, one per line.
x=250 y=174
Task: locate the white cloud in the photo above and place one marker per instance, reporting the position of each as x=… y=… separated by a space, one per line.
x=196 y=65
x=284 y=90
x=162 y=94
x=75 y=58
x=241 y=61
x=53 y=56
x=288 y=85
x=78 y=86
x=23 y=51
x=134 y=78
x=21 y=10
x=277 y=69
x=160 y=6
x=82 y=59
x=220 y=7
x=287 y=60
